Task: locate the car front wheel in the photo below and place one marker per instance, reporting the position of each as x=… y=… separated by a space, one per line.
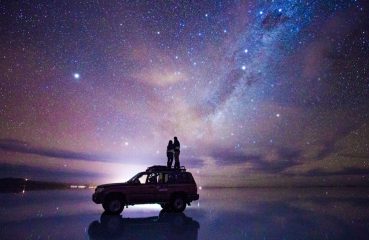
x=166 y=206
x=113 y=206
x=178 y=204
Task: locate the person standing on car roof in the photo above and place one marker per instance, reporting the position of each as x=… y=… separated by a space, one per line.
x=176 y=153
x=170 y=153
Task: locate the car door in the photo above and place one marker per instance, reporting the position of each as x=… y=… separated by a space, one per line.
x=151 y=188
x=164 y=187
x=142 y=191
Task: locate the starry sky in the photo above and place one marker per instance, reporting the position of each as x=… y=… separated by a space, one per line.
x=259 y=93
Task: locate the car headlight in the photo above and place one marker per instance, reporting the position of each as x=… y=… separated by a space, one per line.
x=99 y=190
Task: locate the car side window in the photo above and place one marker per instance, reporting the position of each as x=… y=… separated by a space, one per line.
x=166 y=178
x=161 y=178
x=153 y=178
x=142 y=179
x=183 y=178
x=180 y=178
x=170 y=178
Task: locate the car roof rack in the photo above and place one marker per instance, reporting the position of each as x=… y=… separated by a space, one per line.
x=165 y=168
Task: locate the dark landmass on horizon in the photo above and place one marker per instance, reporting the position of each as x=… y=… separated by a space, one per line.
x=19 y=185
x=292 y=186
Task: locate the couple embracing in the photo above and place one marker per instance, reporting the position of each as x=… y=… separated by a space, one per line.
x=173 y=150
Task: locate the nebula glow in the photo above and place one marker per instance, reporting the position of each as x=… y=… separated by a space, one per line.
x=258 y=92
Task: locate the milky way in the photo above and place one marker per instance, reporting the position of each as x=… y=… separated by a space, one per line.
x=258 y=92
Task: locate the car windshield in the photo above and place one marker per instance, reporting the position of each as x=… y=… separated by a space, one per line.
x=135 y=177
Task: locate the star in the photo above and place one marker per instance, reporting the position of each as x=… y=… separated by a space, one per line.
x=76 y=75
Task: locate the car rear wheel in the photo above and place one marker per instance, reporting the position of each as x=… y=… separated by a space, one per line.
x=178 y=204
x=113 y=206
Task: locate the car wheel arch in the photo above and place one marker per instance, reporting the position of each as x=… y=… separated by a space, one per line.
x=176 y=194
x=114 y=195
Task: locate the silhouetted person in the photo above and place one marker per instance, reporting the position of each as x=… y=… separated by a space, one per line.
x=177 y=147
x=170 y=153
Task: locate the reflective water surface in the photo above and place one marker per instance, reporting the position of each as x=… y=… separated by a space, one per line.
x=323 y=213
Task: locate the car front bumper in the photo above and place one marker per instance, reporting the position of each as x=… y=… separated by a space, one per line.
x=97 y=198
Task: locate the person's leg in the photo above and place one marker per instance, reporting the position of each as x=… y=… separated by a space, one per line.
x=179 y=164
x=170 y=160
x=176 y=159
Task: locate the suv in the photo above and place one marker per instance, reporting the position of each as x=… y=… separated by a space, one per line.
x=171 y=188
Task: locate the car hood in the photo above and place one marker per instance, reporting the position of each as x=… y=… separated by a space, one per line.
x=113 y=185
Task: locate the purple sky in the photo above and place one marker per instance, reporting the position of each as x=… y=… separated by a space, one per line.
x=258 y=93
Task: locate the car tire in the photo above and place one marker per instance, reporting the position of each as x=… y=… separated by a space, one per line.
x=113 y=206
x=178 y=203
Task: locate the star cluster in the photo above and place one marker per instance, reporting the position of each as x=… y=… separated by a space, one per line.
x=254 y=90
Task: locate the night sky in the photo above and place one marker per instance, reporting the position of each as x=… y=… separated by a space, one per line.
x=259 y=93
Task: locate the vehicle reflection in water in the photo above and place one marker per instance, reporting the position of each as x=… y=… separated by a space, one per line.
x=165 y=226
